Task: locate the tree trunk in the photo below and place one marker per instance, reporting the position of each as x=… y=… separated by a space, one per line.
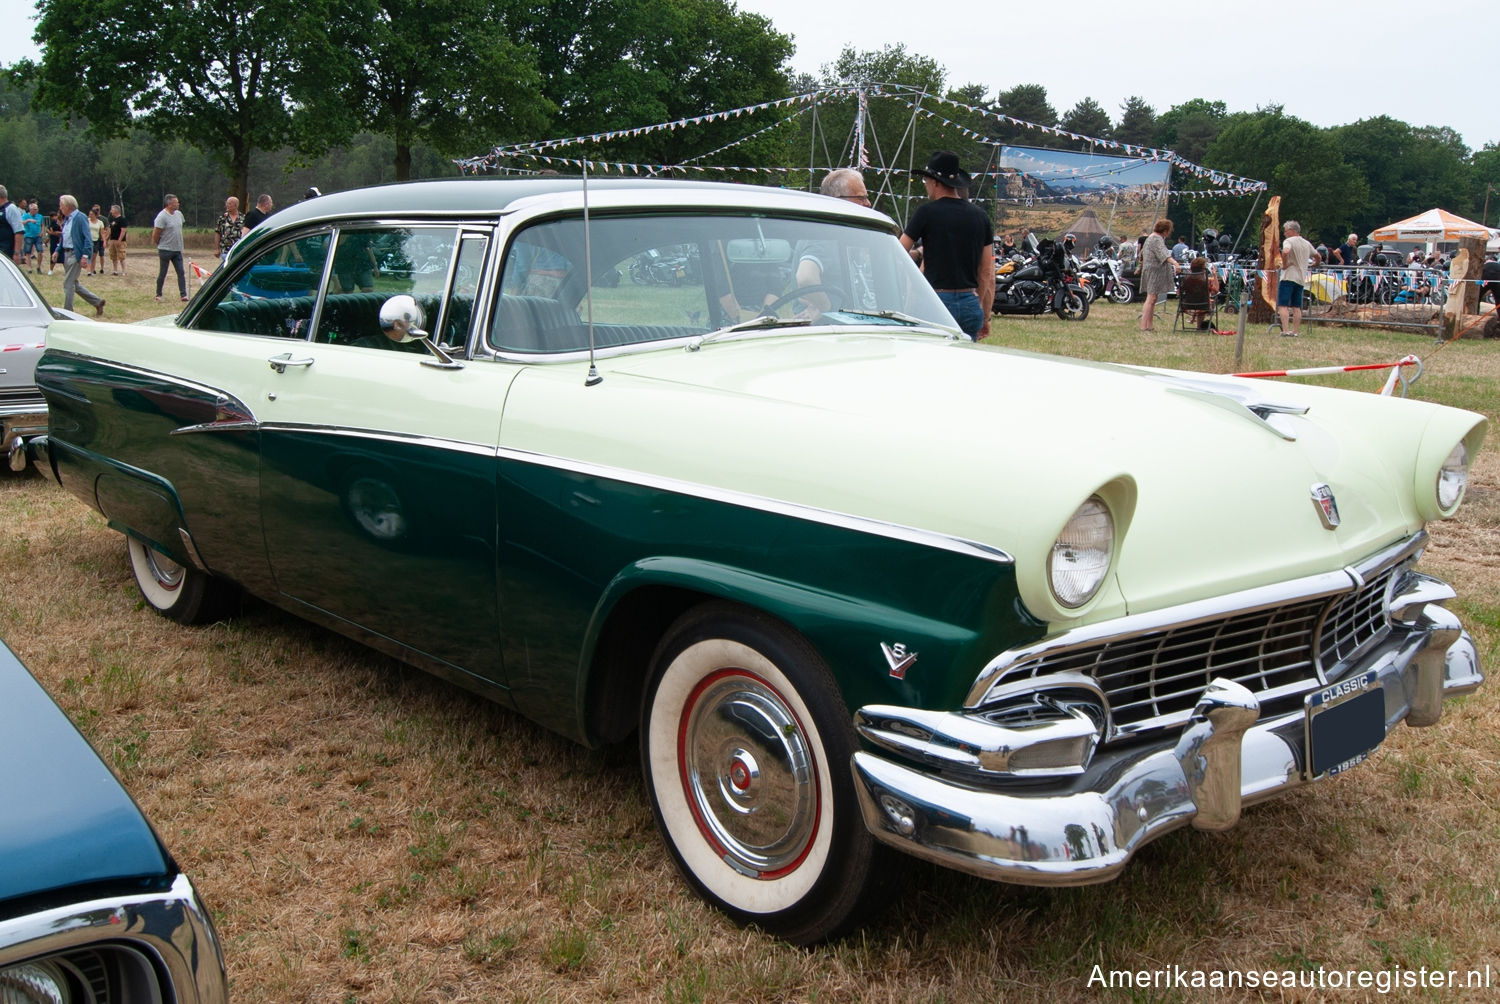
x=403 y=161
x=239 y=174
x=1263 y=303
x=1463 y=299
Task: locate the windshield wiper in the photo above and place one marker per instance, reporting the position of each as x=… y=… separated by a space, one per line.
x=759 y=323
x=890 y=315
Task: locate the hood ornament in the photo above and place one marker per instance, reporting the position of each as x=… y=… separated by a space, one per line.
x=1327 y=506
x=898 y=658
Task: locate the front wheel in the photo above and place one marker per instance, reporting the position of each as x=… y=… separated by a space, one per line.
x=1121 y=293
x=186 y=595
x=1071 y=304
x=745 y=745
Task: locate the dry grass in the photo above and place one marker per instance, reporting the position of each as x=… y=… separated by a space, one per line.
x=364 y=832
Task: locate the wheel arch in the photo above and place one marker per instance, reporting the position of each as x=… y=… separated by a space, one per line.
x=645 y=599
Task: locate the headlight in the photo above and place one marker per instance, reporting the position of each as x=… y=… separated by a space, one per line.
x=1453 y=478
x=1081 y=555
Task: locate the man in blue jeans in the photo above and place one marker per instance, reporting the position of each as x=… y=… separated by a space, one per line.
x=77 y=251
x=958 y=244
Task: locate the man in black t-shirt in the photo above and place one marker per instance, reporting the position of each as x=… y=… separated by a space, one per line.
x=958 y=244
x=263 y=208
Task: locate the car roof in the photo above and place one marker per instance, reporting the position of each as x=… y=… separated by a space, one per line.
x=493 y=196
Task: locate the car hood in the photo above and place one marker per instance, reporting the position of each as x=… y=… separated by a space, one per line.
x=1000 y=447
x=67 y=821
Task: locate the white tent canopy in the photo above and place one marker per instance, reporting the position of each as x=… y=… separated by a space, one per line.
x=1433 y=225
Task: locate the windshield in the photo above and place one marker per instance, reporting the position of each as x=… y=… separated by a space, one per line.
x=661 y=277
x=14 y=292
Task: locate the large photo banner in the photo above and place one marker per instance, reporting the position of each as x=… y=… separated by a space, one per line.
x=1056 y=192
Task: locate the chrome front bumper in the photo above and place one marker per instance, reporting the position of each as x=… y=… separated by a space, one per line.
x=168 y=932
x=1081 y=829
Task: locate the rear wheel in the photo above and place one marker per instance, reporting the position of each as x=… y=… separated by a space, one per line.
x=184 y=594
x=745 y=744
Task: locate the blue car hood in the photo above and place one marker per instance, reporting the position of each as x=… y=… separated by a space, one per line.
x=64 y=819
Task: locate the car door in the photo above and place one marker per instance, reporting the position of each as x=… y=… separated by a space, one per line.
x=377 y=480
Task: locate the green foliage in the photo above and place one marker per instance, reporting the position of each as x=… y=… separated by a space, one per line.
x=1089 y=118
x=1190 y=127
x=216 y=75
x=613 y=64
x=1300 y=162
x=391 y=68
x=1029 y=103
x=1137 y=122
x=1408 y=170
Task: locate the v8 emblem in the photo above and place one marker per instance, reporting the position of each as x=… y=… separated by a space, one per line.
x=898 y=658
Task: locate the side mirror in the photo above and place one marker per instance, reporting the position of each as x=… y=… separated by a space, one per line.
x=401 y=319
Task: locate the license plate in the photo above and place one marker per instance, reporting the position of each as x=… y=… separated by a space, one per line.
x=1345 y=723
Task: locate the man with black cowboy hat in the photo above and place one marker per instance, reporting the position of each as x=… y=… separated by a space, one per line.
x=958 y=244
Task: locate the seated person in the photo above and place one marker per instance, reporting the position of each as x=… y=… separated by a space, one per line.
x=1198 y=286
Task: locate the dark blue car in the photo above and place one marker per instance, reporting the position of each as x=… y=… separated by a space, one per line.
x=92 y=906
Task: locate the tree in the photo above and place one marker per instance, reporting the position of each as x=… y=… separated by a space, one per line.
x=1484 y=181
x=1299 y=161
x=616 y=64
x=1027 y=102
x=1189 y=128
x=1137 y=122
x=396 y=73
x=214 y=73
x=1407 y=170
x=1089 y=118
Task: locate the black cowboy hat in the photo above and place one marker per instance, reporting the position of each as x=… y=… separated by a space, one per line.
x=942 y=167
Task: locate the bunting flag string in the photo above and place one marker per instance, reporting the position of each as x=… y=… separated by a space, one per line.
x=1223 y=182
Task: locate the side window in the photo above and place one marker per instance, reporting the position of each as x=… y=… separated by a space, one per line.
x=531 y=315
x=275 y=294
x=371 y=265
x=454 y=333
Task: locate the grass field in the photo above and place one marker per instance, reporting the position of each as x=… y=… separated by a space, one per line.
x=363 y=832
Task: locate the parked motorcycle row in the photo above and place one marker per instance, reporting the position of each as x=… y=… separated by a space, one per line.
x=1049 y=278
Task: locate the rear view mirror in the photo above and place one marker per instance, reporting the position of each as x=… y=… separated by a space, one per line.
x=752 y=251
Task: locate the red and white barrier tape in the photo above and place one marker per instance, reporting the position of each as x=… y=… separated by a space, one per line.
x=23 y=345
x=1390 y=383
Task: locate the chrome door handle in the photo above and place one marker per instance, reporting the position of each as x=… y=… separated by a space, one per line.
x=281 y=362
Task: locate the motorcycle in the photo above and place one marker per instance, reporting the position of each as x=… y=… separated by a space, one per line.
x=1107 y=277
x=1042 y=285
x=656 y=267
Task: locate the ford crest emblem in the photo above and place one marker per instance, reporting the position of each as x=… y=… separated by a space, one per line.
x=1328 y=507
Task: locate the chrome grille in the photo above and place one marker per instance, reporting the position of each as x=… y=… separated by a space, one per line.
x=1154 y=678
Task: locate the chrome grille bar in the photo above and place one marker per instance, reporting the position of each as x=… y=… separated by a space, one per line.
x=1152 y=670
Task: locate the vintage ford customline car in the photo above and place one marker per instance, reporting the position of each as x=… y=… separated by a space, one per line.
x=711 y=463
x=92 y=907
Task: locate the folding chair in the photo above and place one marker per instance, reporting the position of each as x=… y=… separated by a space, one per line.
x=1196 y=305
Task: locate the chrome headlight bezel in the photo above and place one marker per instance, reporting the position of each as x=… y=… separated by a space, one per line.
x=1452 y=479
x=1081 y=558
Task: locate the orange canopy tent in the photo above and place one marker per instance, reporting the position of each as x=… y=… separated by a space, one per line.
x=1433 y=225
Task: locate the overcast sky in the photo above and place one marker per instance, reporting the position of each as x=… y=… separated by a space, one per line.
x=1332 y=63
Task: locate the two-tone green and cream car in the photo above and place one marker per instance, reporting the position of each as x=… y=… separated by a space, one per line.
x=594 y=454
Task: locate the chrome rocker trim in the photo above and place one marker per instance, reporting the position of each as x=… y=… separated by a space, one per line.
x=940 y=797
x=172 y=926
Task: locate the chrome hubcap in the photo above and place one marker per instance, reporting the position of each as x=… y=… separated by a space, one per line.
x=167 y=573
x=749 y=774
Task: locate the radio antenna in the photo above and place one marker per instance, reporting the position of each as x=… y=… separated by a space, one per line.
x=593 y=379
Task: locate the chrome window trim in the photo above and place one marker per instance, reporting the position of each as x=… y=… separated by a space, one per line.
x=748 y=500
x=1311 y=587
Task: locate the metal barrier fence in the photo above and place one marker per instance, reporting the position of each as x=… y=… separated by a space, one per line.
x=1388 y=297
